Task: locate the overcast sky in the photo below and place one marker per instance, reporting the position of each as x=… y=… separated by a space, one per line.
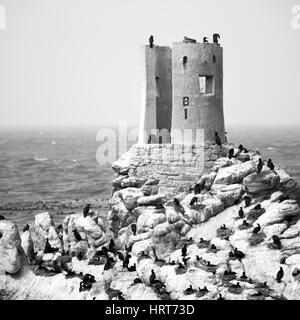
x=77 y=62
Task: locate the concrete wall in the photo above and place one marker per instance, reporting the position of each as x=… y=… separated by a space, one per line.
x=156 y=109
x=205 y=111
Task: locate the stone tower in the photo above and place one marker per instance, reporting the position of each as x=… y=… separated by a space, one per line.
x=183 y=89
x=156 y=110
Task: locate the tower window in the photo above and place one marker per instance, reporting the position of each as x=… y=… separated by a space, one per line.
x=185 y=113
x=206 y=84
x=214 y=59
x=185 y=101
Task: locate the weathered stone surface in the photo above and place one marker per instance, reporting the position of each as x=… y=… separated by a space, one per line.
x=229 y=194
x=130 y=196
x=235 y=173
x=27 y=245
x=45 y=229
x=151 y=200
x=11 y=252
x=257 y=183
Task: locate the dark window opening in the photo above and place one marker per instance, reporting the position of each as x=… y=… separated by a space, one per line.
x=185 y=101
x=157 y=86
x=185 y=113
x=214 y=59
x=206 y=84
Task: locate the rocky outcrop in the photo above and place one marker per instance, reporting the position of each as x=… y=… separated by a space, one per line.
x=154 y=211
x=11 y=252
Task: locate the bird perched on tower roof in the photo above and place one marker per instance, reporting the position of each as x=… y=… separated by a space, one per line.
x=151 y=41
x=205 y=40
x=216 y=38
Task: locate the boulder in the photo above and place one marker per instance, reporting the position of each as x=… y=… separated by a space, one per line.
x=27 y=245
x=130 y=196
x=151 y=200
x=45 y=229
x=150 y=218
x=235 y=173
x=11 y=252
x=287 y=183
x=229 y=194
x=279 y=212
x=264 y=181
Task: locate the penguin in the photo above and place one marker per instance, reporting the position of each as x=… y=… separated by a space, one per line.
x=193 y=201
x=184 y=250
x=270 y=164
x=133 y=228
x=152 y=277
x=77 y=235
x=218 y=139
x=247 y=201
x=112 y=246
x=259 y=166
x=151 y=41
x=216 y=38
x=231 y=153
x=184 y=60
x=279 y=275
x=205 y=40
x=26 y=228
x=241 y=213
x=86 y=209
x=276 y=241
x=256 y=229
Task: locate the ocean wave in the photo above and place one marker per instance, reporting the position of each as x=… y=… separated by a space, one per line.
x=40 y=159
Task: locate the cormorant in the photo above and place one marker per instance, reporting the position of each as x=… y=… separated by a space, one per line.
x=279 y=275
x=256 y=229
x=259 y=165
x=77 y=235
x=218 y=139
x=151 y=41
x=241 y=213
x=86 y=209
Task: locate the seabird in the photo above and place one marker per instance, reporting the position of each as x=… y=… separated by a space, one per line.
x=77 y=235
x=112 y=246
x=189 y=290
x=133 y=228
x=26 y=228
x=247 y=201
x=185 y=260
x=270 y=164
x=48 y=248
x=193 y=201
x=197 y=188
x=256 y=229
x=152 y=277
x=230 y=153
x=86 y=209
x=205 y=40
x=276 y=241
x=184 y=60
x=216 y=38
x=241 y=213
x=257 y=206
x=279 y=275
x=239 y=254
x=176 y=202
x=151 y=41
x=259 y=166
x=132 y=268
x=218 y=139
x=184 y=250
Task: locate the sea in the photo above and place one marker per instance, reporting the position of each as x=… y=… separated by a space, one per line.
x=59 y=165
